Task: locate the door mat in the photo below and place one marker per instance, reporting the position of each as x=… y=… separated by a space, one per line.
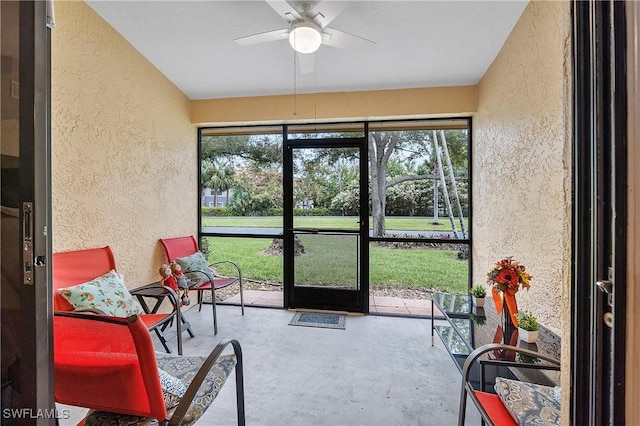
x=313 y=319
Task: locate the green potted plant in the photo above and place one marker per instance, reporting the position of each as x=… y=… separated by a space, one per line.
x=478 y=293
x=478 y=320
x=527 y=326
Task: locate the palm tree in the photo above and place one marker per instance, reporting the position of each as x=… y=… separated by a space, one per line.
x=218 y=177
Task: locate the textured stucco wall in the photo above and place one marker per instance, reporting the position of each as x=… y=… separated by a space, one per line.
x=521 y=162
x=123 y=147
x=522 y=165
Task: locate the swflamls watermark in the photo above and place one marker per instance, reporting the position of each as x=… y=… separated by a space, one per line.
x=30 y=413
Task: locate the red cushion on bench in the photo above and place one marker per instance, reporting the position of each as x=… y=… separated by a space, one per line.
x=493 y=405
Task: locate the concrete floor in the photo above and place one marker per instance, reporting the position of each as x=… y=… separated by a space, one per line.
x=381 y=370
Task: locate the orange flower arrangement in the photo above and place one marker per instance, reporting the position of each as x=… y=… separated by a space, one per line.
x=506 y=277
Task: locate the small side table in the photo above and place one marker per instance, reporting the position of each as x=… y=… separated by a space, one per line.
x=468 y=327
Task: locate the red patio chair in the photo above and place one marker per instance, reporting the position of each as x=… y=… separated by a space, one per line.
x=108 y=364
x=75 y=267
x=185 y=246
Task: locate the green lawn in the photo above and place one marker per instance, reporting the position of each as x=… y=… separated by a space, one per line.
x=331 y=261
x=343 y=222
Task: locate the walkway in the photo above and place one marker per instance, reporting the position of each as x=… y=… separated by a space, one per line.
x=377 y=304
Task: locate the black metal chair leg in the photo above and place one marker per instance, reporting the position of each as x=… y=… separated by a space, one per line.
x=179 y=328
x=241 y=296
x=187 y=324
x=215 y=317
x=163 y=340
x=239 y=385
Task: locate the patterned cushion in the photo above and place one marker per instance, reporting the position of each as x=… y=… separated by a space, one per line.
x=183 y=368
x=529 y=403
x=172 y=389
x=194 y=262
x=557 y=394
x=107 y=293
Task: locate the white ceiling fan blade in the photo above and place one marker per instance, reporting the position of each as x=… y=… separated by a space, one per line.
x=336 y=38
x=326 y=11
x=285 y=10
x=306 y=62
x=274 y=35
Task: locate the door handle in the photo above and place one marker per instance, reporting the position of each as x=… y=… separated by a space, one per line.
x=27 y=242
x=606 y=286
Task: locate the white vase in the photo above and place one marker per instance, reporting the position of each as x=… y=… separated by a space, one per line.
x=478 y=301
x=527 y=336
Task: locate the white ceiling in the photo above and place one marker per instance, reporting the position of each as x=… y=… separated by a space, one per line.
x=418 y=44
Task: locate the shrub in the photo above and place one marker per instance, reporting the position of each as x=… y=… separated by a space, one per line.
x=274 y=211
x=315 y=211
x=217 y=211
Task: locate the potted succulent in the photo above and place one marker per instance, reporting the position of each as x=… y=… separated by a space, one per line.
x=527 y=326
x=478 y=293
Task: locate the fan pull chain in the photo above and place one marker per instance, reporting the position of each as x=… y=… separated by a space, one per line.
x=295 y=85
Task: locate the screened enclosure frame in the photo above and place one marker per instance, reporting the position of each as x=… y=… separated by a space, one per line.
x=284 y=131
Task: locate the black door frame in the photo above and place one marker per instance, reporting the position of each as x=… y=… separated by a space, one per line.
x=599 y=219
x=318 y=297
x=32 y=318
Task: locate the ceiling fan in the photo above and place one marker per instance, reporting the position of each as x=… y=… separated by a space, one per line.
x=308 y=29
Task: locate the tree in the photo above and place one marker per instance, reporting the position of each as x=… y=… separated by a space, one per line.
x=256 y=193
x=259 y=186
x=381 y=147
x=444 y=184
x=348 y=200
x=323 y=174
x=452 y=177
x=255 y=151
x=218 y=177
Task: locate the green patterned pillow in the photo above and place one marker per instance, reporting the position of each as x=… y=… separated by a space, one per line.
x=529 y=403
x=194 y=262
x=107 y=293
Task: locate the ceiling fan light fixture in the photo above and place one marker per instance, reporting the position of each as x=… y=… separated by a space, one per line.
x=305 y=37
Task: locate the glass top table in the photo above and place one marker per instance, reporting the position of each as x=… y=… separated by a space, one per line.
x=468 y=327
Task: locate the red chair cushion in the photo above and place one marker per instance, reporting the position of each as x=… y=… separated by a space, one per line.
x=220 y=283
x=494 y=407
x=150 y=320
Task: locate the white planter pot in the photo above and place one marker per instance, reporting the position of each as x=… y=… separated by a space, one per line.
x=478 y=301
x=527 y=336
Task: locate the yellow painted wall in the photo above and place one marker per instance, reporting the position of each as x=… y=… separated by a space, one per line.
x=522 y=164
x=123 y=147
x=372 y=105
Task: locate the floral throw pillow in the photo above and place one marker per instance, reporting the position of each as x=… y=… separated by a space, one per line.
x=194 y=262
x=529 y=403
x=108 y=293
